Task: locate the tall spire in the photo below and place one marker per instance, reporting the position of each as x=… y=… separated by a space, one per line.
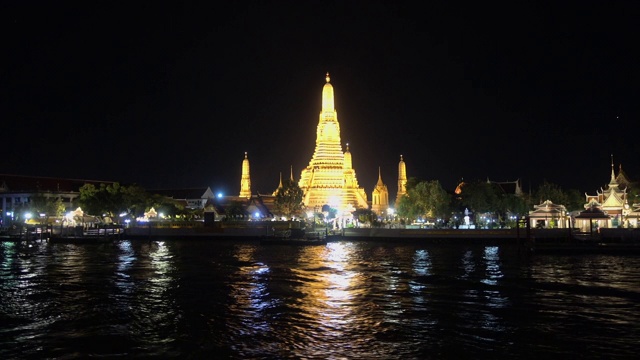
x=291 y=177
x=275 y=192
x=245 y=182
x=327 y=97
x=613 y=183
x=348 y=163
x=329 y=179
x=402 y=179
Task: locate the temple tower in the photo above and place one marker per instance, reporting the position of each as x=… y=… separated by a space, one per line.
x=280 y=185
x=402 y=180
x=245 y=182
x=330 y=179
x=380 y=197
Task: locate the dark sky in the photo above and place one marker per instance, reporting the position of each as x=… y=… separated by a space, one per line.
x=172 y=94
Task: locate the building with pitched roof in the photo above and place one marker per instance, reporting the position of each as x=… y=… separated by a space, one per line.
x=613 y=200
x=190 y=198
x=380 y=197
x=549 y=215
x=17 y=191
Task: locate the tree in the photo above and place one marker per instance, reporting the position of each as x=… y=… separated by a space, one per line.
x=549 y=191
x=114 y=199
x=170 y=207
x=575 y=200
x=480 y=196
x=288 y=200
x=424 y=199
x=571 y=199
x=234 y=210
x=50 y=206
x=366 y=216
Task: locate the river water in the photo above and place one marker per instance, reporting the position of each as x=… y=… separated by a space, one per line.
x=194 y=299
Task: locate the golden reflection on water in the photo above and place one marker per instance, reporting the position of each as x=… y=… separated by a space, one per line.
x=337 y=287
x=343 y=300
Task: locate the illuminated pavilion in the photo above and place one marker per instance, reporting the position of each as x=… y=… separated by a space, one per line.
x=614 y=202
x=330 y=179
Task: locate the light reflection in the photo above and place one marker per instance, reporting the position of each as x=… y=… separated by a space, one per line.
x=9 y=254
x=488 y=298
x=250 y=292
x=468 y=265
x=125 y=261
x=422 y=266
x=338 y=286
x=422 y=263
x=494 y=271
x=154 y=303
x=492 y=262
x=125 y=258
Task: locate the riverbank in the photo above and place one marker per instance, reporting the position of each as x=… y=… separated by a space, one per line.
x=525 y=240
x=393 y=234
x=528 y=240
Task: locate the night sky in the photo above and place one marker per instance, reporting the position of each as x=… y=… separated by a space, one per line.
x=171 y=95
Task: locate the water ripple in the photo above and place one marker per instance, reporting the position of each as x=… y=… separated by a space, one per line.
x=346 y=300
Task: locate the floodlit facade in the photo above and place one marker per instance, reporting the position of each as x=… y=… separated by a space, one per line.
x=613 y=201
x=245 y=180
x=380 y=197
x=402 y=179
x=330 y=179
x=549 y=215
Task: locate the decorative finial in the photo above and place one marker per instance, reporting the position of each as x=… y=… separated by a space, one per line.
x=328 y=78
x=245 y=154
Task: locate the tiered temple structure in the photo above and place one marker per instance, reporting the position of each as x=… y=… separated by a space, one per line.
x=613 y=201
x=330 y=179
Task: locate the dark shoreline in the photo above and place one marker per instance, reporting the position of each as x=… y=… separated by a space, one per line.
x=558 y=241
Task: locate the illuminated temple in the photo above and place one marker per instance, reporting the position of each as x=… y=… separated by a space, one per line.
x=330 y=179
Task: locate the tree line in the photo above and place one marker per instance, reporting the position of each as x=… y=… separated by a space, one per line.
x=424 y=199
x=427 y=199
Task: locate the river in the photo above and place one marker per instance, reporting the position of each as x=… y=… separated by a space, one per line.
x=193 y=299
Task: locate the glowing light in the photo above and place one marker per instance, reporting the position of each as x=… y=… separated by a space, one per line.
x=330 y=178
